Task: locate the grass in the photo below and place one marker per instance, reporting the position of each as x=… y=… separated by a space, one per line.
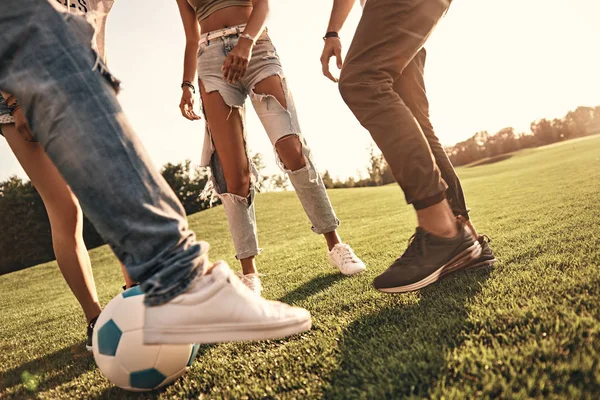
x=527 y=327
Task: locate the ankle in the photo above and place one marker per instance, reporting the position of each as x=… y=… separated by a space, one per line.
x=332 y=239
x=90 y=317
x=438 y=220
x=248 y=266
x=448 y=232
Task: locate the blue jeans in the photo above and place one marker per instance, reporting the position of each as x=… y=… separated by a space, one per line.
x=73 y=111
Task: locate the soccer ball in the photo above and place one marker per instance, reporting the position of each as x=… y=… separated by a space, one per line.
x=122 y=356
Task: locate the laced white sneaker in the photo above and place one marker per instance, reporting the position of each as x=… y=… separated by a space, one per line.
x=252 y=282
x=220 y=308
x=342 y=257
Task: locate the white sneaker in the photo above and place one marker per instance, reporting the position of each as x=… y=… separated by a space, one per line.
x=252 y=281
x=342 y=257
x=220 y=308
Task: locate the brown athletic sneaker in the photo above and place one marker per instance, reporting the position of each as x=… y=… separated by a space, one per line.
x=427 y=259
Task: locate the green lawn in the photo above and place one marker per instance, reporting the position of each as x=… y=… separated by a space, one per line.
x=527 y=327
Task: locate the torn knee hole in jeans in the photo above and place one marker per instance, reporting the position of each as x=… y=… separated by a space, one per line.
x=269 y=98
x=303 y=154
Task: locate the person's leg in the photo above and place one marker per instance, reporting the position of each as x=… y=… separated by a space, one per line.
x=78 y=121
x=66 y=220
x=410 y=86
x=388 y=36
x=129 y=283
x=232 y=173
x=290 y=148
x=274 y=105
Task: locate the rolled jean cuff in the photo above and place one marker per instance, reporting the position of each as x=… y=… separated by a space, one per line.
x=326 y=229
x=154 y=288
x=247 y=253
x=430 y=201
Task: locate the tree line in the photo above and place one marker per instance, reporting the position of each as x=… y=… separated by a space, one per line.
x=25 y=238
x=484 y=146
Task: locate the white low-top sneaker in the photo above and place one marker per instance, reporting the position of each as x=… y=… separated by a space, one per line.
x=252 y=282
x=343 y=258
x=218 y=307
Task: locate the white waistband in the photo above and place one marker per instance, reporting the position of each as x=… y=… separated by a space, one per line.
x=234 y=30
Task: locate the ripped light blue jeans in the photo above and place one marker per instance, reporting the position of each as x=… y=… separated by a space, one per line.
x=279 y=122
x=70 y=104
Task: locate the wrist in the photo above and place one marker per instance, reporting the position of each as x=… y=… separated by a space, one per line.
x=331 y=35
x=246 y=42
x=187 y=85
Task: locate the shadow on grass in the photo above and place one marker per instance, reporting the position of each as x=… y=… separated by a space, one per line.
x=401 y=351
x=311 y=288
x=48 y=372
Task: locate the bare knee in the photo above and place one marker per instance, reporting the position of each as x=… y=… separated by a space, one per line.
x=66 y=218
x=239 y=184
x=289 y=149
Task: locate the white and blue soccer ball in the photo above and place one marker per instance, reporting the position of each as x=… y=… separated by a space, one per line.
x=122 y=356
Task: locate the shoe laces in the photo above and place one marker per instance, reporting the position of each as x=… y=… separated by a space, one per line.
x=346 y=253
x=249 y=280
x=416 y=247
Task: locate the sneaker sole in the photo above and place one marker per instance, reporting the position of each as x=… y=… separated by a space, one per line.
x=347 y=274
x=225 y=333
x=458 y=262
x=89 y=348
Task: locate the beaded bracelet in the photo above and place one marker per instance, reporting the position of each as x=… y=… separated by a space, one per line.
x=188 y=84
x=248 y=36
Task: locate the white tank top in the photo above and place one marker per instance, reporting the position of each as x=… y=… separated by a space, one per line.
x=95 y=10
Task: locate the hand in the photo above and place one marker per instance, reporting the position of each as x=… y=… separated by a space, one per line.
x=20 y=121
x=333 y=47
x=186 y=105
x=235 y=65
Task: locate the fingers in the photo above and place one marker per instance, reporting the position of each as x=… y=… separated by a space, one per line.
x=187 y=110
x=23 y=126
x=227 y=66
x=239 y=71
x=338 y=56
x=325 y=57
x=234 y=68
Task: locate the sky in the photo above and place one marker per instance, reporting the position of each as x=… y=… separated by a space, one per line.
x=491 y=64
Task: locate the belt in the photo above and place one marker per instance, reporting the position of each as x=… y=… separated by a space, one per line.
x=234 y=30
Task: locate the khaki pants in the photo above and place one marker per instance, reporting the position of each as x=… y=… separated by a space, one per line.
x=382 y=82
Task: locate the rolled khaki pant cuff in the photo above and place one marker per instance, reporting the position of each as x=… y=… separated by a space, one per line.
x=430 y=201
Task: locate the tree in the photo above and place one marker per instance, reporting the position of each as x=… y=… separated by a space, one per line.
x=327 y=180
x=544 y=131
x=580 y=120
x=507 y=140
x=187 y=184
x=262 y=180
x=279 y=181
x=379 y=170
